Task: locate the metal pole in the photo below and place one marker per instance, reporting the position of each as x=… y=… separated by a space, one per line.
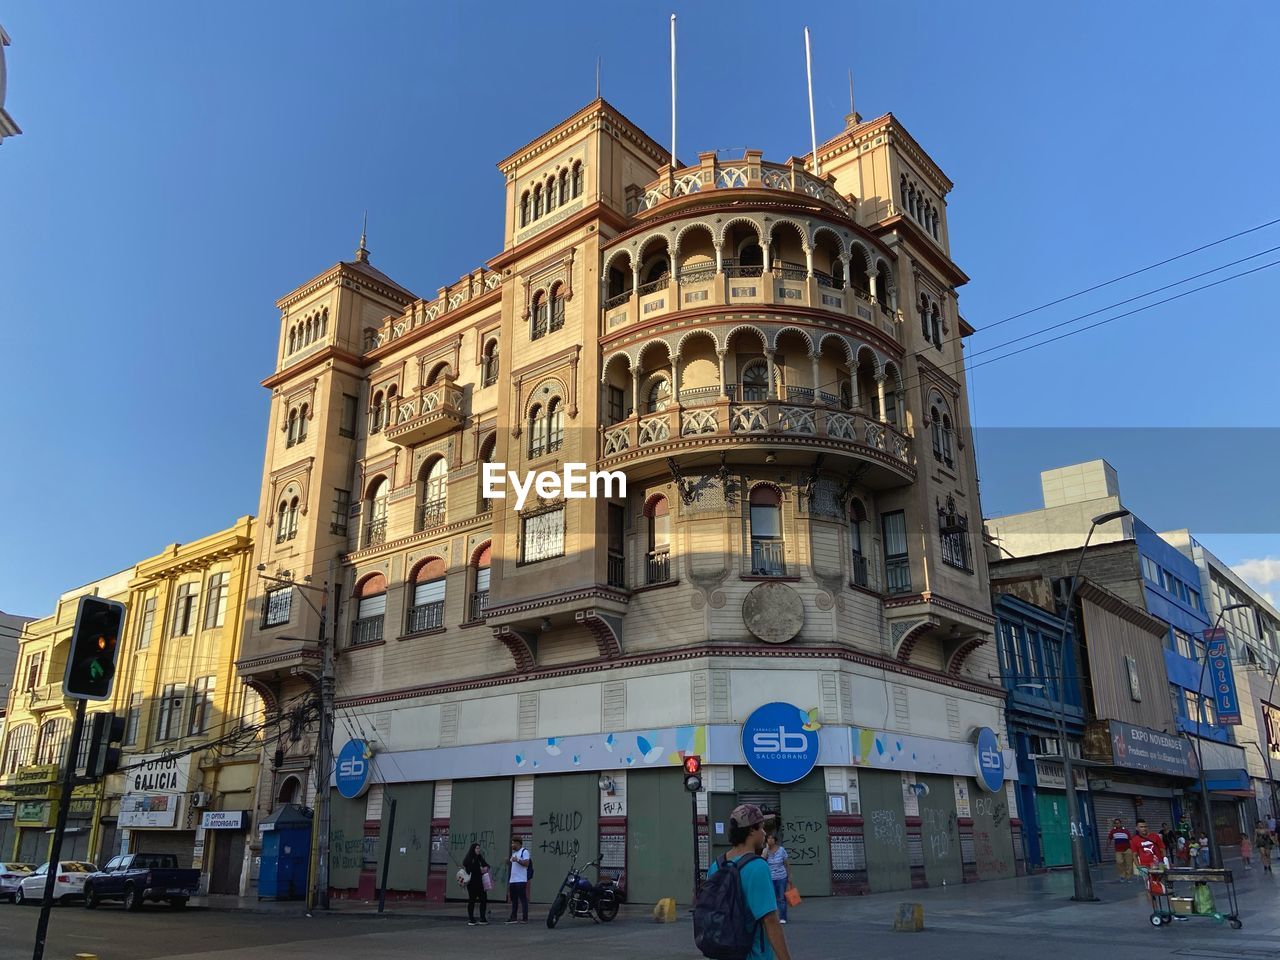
x=1266 y=757
x=386 y=857
x=324 y=751
x=693 y=805
x=674 y=162
x=64 y=801
x=813 y=133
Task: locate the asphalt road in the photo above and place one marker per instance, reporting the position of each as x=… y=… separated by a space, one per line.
x=1027 y=920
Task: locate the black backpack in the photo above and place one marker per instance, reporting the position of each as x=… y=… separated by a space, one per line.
x=723 y=927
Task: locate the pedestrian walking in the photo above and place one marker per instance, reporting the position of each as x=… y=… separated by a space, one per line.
x=1149 y=849
x=1168 y=836
x=518 y=884
x=1271 y=825
x=1246 y=851
x=751 y=884
x=1203 y=860
x=1263 y=841
x=1120 y=837
x=476 y=867
x=779 y=872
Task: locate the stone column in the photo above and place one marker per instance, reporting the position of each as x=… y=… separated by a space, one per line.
x=817 y=374
x=773 y=391
x=720 y=358
x=880 y=393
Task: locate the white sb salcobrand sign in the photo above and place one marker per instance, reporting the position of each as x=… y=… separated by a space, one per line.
x=576 y=483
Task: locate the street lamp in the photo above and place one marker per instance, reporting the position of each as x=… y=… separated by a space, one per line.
x=1081 y=879
x=1215 y=855
x=319 y=893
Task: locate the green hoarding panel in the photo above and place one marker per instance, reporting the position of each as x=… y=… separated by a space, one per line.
x=410 y=846
x=346 y=841
x=480 y=812
x=884 y=830
x=939 y=831
x=659 y=837
x=566 y=826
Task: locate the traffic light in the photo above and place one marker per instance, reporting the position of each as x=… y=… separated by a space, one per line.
x=105 y=729
x=91 y=664
x=693 y=773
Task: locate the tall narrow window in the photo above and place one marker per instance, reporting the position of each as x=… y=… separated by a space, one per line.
x=897 y=565
x=577 y=179
x=767 y=557
x=541 y=315
x=524 y=209
x=489 y=364
x=755 y=382
x=148 y=622
x=277 y=606
x=557 y=308
x=426 y=612
x=347 y=425
x=17 y=747
x=375 y=528
x=616 y=405
x=294 y=507
x=537 y=432
x=616 y=572
x=201 y=706
x=378 y=414
x=169 y=716
x=551 y=194
x=858 y=559
x=480 y=594
x=935 y=430
x=659 y=558
x=371 y=606
x=303 y=416
x=291 y=432
x=340 y=511
x=282 y=522
x=485 y=456
x=564 y=186
x=555 y=425
x=132 y=720
x=433 y=483
x=215 y=607
x=35 y=664
x=537 y=201
x=52 y=747
x=184 y=610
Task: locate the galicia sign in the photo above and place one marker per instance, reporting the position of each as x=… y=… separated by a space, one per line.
x=776 y=744
x=988 y=760
x=353 y=769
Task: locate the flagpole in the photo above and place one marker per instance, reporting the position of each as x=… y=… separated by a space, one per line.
x=673 y=92
x=813 y=134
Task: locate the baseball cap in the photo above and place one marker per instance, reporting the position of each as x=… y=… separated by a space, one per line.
x=746 y=815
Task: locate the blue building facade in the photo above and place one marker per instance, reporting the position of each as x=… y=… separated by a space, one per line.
x=1034 y=665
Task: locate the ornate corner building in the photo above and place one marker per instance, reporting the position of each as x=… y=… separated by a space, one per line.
x=773 y=360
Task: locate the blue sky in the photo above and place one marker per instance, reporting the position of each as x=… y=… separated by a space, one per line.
x=184 y=165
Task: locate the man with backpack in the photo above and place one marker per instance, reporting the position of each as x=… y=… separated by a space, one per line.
x=736 y=916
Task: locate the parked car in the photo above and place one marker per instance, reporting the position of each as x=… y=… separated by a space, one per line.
x=137 y=877
x=68 y=883
x=10 y=874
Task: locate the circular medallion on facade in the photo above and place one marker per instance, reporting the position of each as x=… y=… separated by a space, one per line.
x=717 y=600
x=773 y=612
x=697 y=600
x=823 y=601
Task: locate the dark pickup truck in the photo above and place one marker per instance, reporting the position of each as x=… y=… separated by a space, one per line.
x=137 y=877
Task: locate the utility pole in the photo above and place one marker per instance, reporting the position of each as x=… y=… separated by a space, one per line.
x=324 y=749
x=59 y=831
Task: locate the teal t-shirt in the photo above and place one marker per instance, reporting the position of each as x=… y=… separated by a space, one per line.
x=757 y=887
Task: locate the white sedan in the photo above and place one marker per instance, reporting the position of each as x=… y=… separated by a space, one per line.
x=10 y=874
x=68 y=882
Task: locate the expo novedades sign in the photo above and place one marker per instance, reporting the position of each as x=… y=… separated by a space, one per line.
x=1139 y=748
x=777 y=746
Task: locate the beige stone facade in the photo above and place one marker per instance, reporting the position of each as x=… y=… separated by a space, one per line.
x=772 y=358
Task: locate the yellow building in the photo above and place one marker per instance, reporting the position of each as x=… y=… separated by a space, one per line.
x=37 y=728
x=176 y=687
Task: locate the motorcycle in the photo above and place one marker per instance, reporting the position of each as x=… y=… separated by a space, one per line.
x=579 y=897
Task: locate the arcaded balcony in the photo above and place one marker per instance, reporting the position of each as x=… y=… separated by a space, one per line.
x=756 y=389
x=435 y=411
x=751 y=258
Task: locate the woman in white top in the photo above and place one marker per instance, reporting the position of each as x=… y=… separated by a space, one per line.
x=779 y=872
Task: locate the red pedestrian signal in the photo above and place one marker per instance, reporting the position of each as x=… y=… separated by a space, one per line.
x=693 y=773
x=95 y=639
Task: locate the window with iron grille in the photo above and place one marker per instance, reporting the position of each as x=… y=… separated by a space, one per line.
x=277 y=606
x=542 y=536
x=953 y=530
x=17 y=748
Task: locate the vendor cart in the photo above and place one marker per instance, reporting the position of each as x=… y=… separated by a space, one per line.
x=1172 y=890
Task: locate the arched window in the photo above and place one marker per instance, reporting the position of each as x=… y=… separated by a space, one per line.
x=486 y=456
x=282 y=522
x=659 y=560
x=426 y=609
x=557 y=308
x=375 y=528
x=17 y=748
x=537 y=201
x=924 y=316
x=837 y=274
x=577 y=179
x=890 y=403
x=767 y=558
x=371 y=606
x=303 y=416
x=524 y=209
x=755 y=382
x=541 y=315
x=480 y=592
x=433 y=493
x=293 y=336
x=884 y=287
x=324 y=322
x=947 y=456
x=564 y=186
x=439 y=371
x=750 y=260
x=290 y=791
x=293 y=518
x=657 y=271
x=52 y=747
x=378 y=414
x=935 y=429
x=537 y=432
x=555 y=425
x=489 y=364
x=659 y=396
x=551 y=194
x=935 y=326
x=291 y=434
x=857 y=521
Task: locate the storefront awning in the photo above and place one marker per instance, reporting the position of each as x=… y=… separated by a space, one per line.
x=1228 y=781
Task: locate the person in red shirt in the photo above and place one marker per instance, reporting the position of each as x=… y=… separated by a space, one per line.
x=1150 y=852
x=1121 y=840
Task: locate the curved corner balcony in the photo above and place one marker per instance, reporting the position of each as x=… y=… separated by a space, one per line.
x=435 y=411
x=792 y=431
x=749 y=173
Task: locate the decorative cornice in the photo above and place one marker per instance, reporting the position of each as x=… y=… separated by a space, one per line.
x=678 y=655
x=345 y=276
x=937 y=600
x=598 y=109
x=285 y=374
x=555 y=599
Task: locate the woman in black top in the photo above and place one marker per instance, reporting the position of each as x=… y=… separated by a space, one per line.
x=475 y=865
